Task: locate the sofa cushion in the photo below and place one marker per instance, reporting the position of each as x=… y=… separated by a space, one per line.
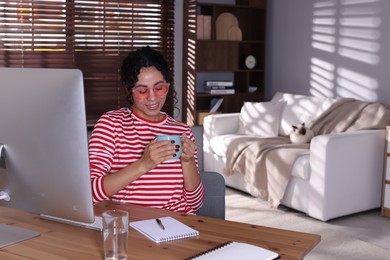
x=260 y=119
x=299 y=109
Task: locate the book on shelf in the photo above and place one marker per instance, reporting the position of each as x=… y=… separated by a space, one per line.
x=203 y=27
x=218 y=83
x=237 y=250
x=221 y=91
x=218 y=87
x=199 y=27
x=206 y=27
x=163 y=229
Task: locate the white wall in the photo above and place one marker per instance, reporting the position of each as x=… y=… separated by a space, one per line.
x=351 y=58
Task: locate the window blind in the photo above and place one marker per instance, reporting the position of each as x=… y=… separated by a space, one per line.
x=93 y=36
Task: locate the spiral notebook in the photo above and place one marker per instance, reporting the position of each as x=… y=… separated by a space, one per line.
x=163 y=229
x=236 y=250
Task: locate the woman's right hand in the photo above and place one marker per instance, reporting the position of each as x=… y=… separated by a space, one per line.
x=157 y=152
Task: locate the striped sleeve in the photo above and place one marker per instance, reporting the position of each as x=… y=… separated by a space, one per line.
x=101 y=150
x=195 y=197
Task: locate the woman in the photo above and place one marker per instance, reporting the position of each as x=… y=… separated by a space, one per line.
x=127 y=163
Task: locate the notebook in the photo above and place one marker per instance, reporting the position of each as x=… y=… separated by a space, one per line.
x=236 y=250
x=168 y=229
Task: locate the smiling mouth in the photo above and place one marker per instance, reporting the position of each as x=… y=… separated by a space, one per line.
x=152 y=106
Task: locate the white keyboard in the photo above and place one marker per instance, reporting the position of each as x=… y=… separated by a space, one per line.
x=97 y=224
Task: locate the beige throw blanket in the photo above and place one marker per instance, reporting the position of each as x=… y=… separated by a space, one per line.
x=266 y=163
x=348 y=115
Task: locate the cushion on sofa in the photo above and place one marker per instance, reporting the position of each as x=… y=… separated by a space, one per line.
x=260 y=118
x=298 y=109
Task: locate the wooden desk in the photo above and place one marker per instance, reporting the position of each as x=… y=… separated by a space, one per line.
x=64 y=241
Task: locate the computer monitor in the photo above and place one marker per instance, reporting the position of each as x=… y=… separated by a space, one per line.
x=44 y=166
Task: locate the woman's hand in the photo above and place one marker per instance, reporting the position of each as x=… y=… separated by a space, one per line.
x=188 y=148
x=157 y=152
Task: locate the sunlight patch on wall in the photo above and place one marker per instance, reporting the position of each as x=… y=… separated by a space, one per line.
x=322 y=78
x=324 y=23
x=358 y=31
x=349 y=29
x=356 y=85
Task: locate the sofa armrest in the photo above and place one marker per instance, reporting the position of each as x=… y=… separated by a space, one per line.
x=346 y=173
x=218 y=124
x=214 y=125
x=221 y=124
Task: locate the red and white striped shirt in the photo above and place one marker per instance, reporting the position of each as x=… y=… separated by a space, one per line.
x=119 y=139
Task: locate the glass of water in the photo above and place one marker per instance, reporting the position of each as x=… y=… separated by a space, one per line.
x=115 y=228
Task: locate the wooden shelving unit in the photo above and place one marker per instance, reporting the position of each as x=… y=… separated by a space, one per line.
x=386 y=177
x=208 y=59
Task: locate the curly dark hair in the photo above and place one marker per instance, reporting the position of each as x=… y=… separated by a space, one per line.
x=146 y=57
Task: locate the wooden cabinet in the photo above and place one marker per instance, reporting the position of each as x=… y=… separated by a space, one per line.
x=386 y=177
x=216 y=58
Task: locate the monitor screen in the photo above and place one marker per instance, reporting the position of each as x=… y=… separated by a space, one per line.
x=44 y=166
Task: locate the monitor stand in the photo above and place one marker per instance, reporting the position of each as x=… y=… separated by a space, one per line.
x=10 y=234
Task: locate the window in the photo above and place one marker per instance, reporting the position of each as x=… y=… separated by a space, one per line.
x=93 y=36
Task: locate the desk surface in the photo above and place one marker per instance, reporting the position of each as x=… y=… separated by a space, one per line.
x=72 y=242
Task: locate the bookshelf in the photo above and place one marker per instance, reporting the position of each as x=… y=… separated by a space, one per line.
x=222 y=50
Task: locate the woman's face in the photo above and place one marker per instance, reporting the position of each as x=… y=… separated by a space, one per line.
x=149 y=94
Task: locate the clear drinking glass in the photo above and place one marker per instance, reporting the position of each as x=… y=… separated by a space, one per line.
x=115 y=228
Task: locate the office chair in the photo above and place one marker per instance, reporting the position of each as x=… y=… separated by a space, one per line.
x=214 y=200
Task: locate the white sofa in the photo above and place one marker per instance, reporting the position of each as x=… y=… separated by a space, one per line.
x=341 y=175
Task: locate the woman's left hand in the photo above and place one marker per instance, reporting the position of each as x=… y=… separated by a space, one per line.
x=188 y=148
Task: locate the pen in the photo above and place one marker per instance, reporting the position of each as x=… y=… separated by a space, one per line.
x=160 y=224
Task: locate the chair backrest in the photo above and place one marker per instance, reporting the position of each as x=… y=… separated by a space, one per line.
x=214 y=200
x=198 y=134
